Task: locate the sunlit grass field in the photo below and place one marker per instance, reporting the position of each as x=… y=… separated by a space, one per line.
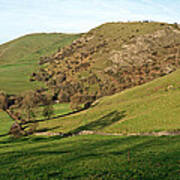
x=19 y=58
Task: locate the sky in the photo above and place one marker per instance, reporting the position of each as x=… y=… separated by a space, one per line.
x=20 y=17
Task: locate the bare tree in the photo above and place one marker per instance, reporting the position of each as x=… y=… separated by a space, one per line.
x=29 y=104
x=48 y=109
x=5 y=104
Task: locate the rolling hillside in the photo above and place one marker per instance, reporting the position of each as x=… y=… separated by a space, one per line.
x=121 y=66
x=153 y=107
x=111 y=58
x=19 y=58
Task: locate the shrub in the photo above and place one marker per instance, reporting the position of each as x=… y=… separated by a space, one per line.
x=48 y=111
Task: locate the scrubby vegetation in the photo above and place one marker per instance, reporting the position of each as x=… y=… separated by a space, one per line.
x=152 y=107
x=23 y=109
x=109 y=59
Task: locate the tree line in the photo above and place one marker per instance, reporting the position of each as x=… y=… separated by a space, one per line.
x=24 y=109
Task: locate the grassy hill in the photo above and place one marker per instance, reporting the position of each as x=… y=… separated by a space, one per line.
x=19 y=58
x=111 y=58
x=152 y=107
x=148 y=108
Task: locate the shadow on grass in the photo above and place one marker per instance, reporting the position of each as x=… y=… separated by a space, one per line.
x=102 y=122
x=87 y=157
x=47 y=129
x=3 y=135
x=56 y=117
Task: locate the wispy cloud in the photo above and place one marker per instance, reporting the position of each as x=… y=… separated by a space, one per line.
x=25 y=16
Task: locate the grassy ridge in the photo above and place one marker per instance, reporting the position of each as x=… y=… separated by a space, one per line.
x=152 y=107
x=18 y=58
x=34 y=44
x=90 y=157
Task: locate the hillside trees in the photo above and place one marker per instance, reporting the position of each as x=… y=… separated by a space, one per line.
x=48 y=109
x=23 y=110
x=3 y=101
x=5 y=104
x=109 y=59
x=30 y=108
x=29 y=103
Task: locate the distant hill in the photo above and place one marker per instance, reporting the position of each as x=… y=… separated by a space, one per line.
x=19 y=58
x=111 y=58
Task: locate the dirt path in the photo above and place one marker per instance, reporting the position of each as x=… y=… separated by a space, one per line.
x=163 y=133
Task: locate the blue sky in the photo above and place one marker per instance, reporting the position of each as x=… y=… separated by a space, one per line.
x=19 y=17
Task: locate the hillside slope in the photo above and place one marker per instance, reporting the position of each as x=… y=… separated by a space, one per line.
x=152 y=107
x=19 y=58
x=100 y=63
x=111 y=58
x=147 y=108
